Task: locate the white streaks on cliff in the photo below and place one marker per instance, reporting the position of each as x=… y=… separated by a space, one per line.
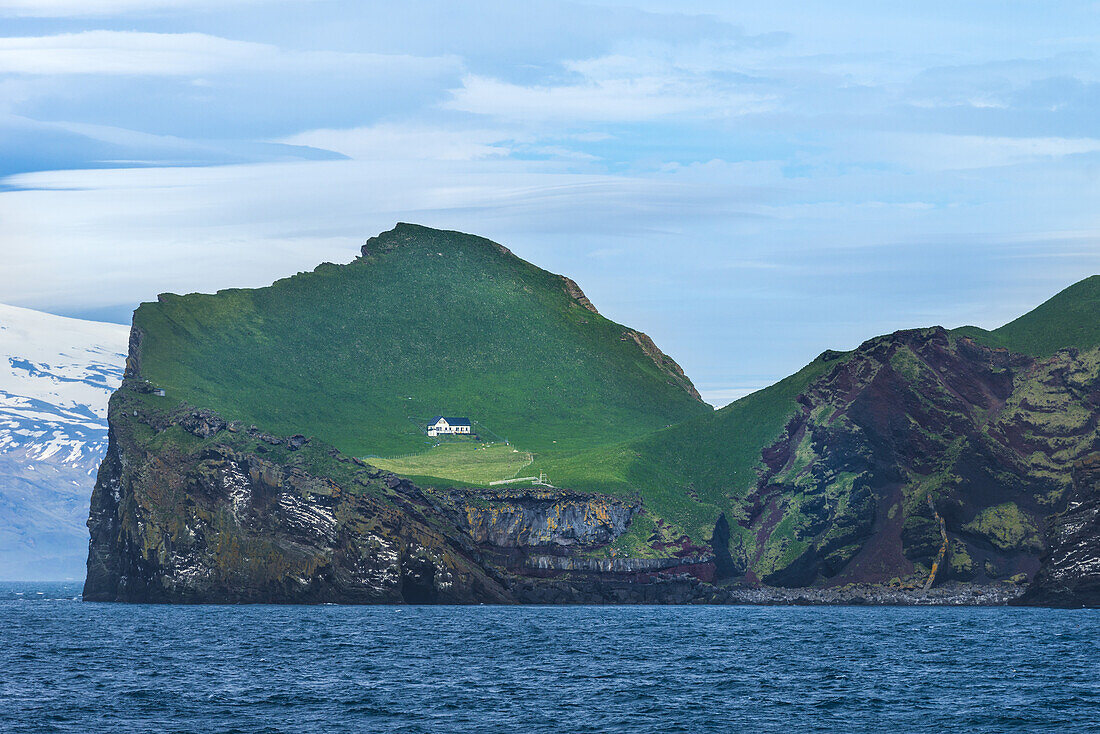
x=239 y=489
x=307 y=517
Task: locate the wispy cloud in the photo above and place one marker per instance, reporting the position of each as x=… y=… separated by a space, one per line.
x=155 y=229
x=173 y=54
x=389 y=141
x=599 y=100
x=91 y=8
x=939 y=152
x=638 y=83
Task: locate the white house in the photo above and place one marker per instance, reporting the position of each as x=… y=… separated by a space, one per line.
x=441 y=425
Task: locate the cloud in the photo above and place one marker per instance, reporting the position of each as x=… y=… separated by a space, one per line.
x=153 y=229
x=187 y=54
x=407 y=142
x=88 y=8
x=29 y=145
x=391 y=142
x=604 y=100
x=640 y=81
x=940 y=152
x=117 y=52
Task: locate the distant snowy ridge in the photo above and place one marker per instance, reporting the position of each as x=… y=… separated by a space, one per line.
x=56 y=376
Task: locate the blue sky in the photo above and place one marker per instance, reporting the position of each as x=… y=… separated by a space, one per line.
x=750 y=183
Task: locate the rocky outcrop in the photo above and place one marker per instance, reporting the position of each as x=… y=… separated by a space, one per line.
x=613 y=565
x=1070 y=572
x=724 y=564
x=185 y=510
x=577 y=294
x=912 y=430
x=189 y=507
x=532 y=518
x=664 y=362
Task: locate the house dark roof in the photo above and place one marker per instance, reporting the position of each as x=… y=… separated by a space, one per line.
x=451 y=421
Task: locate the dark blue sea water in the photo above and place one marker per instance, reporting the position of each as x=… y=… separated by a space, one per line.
x=68 y=666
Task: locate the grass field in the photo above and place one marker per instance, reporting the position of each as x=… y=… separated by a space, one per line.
x=467 y=461
x=428 y=323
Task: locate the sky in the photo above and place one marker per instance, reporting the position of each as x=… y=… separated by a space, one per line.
x=749 y=183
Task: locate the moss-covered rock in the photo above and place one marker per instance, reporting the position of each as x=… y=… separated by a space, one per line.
x=1006 y=527
x=960 y=565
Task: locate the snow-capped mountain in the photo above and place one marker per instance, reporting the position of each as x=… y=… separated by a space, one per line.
x=56 y=375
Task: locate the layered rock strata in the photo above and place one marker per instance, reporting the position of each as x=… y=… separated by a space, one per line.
x=1070 y=572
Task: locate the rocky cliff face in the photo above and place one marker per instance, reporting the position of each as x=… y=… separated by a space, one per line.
x=191 y=508
x=912 y=428
x=187 y=508
x=1070 y=572
x=537 y=517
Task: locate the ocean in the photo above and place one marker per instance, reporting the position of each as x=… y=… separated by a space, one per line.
x=70 y=666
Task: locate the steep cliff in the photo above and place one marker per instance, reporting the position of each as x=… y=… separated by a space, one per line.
x=909 y=428
x=538 y=517
x=1070 y=572
x=189 y=507
x=847 y=471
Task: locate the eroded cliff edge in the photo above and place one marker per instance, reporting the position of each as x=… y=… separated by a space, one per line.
x=190 y=508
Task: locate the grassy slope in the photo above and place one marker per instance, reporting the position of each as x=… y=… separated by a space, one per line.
x=713 y=456
x=466 y=462
x=431 y=323
x=1066 y=320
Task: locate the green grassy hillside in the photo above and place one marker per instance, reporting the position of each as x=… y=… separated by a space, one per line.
x=426 y=322
x=690 y=472
x=1066 y=320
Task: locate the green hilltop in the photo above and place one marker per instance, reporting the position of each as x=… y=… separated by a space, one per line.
x=425 y=322
x=1068 y=319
